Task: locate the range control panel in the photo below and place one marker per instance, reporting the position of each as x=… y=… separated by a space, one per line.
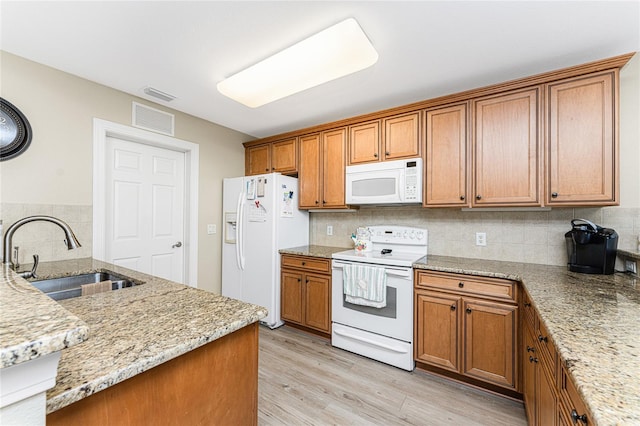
x=404 y=235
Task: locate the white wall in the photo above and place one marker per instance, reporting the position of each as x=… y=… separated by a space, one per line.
x=55 y=173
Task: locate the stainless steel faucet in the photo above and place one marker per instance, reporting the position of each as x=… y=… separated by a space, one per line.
x=70 y=240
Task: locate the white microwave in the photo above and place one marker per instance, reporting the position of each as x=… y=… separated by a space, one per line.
x=386 y=182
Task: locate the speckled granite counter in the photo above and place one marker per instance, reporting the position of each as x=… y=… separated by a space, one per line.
x=31 y=324
x=137 y=328
x=314 y=251
x=594 y=321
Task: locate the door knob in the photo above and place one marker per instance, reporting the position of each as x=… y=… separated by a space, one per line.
x=178 y=244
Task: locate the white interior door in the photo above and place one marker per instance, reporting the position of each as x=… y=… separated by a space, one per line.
x=145 y=190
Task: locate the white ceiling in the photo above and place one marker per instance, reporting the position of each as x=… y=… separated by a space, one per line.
x=427 y=48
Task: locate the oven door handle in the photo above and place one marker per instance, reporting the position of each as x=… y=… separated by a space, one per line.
x=371 y=342
x=397 y=272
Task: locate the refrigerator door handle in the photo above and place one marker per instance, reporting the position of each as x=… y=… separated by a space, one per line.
x=238 y=227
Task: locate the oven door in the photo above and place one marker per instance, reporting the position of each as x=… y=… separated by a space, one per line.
x=395 y=320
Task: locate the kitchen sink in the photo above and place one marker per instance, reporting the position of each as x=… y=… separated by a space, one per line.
x=68 y=287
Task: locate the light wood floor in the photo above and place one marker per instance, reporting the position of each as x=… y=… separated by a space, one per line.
x=303 y=380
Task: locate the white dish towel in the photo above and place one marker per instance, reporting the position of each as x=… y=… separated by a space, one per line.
x=365 y=285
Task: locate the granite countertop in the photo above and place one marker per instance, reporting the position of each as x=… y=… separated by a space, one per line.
x=313 y=251
x=31 y=324
x=594 y=321
x=134 y=329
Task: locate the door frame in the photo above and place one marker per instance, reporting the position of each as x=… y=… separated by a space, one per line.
x=103 y=129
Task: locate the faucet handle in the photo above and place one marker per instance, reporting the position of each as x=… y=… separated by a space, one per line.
x=32 y=272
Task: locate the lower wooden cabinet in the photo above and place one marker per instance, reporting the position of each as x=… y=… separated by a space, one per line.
x=305 y=294
x=550 y=397
x=468 y=329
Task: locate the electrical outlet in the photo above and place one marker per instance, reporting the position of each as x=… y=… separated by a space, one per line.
x=329 y=230
x=481 y=238
x=211 y=229
x=631 y=266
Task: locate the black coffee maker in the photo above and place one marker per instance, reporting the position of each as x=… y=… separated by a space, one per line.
x=591 y=248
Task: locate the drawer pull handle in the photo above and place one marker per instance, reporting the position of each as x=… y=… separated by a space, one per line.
x=530 y=349
x=533 y=359
x=453 y=307
x=578 y=418
x=543 y=339
x=460 y=284
x=468 y=310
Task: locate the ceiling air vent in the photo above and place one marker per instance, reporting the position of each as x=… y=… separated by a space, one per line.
x=152 y=119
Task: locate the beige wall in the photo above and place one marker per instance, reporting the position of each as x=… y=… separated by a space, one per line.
x=55 y=174
x=532 y=237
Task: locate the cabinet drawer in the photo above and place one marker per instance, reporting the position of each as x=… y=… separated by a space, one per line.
x=528 y=312
x=547 y=348
x=466 y=284
x=572 y=400
x=307 y=263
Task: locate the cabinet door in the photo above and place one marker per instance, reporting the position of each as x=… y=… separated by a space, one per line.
x=446 y=159
x=309 y=172
x=333 y=167
x=489 y=344
x=436 y=329
x=529 y=373
x=257 y=159
x=582 y=162
x=364 y=143
x=506 y=150
x=402 y=136
x=546 y=400
x=284 y=156
x=291 y=288
x=317 y=298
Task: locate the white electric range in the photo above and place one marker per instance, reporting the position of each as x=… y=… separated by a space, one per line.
x=384 y=334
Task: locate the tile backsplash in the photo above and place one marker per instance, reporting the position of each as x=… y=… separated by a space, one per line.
x=520 y=236
x=45 y=238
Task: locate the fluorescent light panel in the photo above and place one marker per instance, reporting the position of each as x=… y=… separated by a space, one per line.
x=333 y=53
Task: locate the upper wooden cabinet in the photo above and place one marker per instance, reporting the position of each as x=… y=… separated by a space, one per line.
x=582 y=141
x=506 y=149
x=279 y=156
x=446 y=157
x=400 y=138
x=322 y=166
x=364 y=142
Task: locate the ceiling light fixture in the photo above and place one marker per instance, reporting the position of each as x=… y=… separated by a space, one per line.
x=330 y=54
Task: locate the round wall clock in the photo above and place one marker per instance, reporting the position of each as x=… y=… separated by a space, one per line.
x=15 y=131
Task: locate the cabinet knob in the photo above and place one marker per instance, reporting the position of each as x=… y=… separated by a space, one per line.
x=462 y=198
x=304 y=263
x=460 y=284
x=478 y=197
x=273 y=168
x=387 y=153
x=317 y=202
x=468 y=310
x=299 y=280
x=527 y=304
x=543 y=339
x=578 y=418
x=530 y=349
x=324 y=202
x=554 y=195
x=453 y=307
x=306 y=281
x=533 y=359
x=375 y=154
x=266 y=170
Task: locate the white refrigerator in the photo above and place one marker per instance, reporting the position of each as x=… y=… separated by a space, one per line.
x=261 y=216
